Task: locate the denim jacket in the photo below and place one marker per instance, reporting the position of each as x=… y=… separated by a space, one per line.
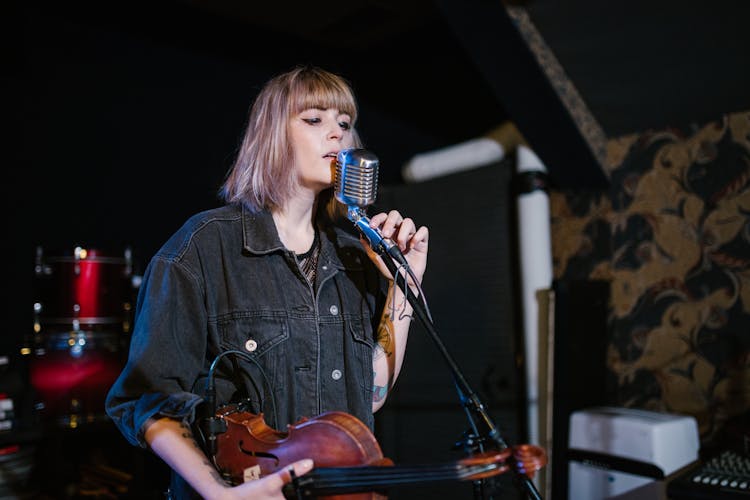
x=224 y=281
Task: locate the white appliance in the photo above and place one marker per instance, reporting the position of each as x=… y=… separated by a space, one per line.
x=626 y=453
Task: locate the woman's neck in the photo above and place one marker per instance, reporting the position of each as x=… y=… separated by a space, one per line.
x=295 y=224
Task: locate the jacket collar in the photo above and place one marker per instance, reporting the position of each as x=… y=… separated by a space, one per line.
x=259 y=237
x=259 y=234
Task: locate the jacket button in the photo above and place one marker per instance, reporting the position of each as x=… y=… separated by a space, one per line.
x=251 y=345
x=336 y=374
x=334 y=309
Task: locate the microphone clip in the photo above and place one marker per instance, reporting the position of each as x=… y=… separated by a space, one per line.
x=211 y=427
x=381 y=245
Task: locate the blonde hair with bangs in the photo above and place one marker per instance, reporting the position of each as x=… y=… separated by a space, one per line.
x=262 y=177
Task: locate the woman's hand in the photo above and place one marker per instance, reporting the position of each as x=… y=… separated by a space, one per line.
x=412 y=242
x=269 y=487
x=173 y=441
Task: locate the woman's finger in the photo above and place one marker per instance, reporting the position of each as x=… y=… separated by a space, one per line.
x=406 y=230
x=299 y=467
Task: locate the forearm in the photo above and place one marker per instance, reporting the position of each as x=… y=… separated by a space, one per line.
x=394 y=325
x=392 y=336
x=173 y=441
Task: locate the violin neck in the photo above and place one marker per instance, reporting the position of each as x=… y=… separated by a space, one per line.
x=328 y=481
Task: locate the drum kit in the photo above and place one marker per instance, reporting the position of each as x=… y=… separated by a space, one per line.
x=82 y=319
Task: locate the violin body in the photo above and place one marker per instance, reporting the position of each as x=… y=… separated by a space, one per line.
x=349 y=463
x=250 y=449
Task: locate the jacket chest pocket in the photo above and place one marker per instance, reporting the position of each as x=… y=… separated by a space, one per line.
x=262 y=338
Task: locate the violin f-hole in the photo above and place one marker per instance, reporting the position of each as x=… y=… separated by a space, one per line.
x=259 y=454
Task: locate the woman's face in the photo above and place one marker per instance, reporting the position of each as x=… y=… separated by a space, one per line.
x=317 y=135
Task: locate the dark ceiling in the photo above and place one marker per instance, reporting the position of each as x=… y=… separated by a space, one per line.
x=452 y=69
x=651 y=64
x=429 y=74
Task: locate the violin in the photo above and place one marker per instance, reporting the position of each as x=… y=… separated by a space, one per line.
x=349 y=463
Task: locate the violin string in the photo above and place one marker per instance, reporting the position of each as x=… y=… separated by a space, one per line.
x=342 y=477
x=372 y=477
x=364 y=484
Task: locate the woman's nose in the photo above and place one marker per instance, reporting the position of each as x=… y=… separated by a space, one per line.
x=334 y=131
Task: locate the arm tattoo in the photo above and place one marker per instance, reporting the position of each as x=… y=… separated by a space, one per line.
x=385 y=328
x=384 y=346
x=379 y=392
x=378 y=352
x=187 y=433
x=385 y=336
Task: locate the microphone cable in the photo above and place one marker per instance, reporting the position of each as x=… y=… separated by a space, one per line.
x=213 y=424
x=406 y=289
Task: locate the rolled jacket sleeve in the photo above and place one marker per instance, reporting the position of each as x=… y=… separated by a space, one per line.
x=167 y=351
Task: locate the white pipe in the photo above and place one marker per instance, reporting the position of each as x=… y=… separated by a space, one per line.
x=535 y=251
x=456 y=158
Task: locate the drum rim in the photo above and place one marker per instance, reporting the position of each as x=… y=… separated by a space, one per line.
x=97 y=259
x=70 y=334
x=82 y=320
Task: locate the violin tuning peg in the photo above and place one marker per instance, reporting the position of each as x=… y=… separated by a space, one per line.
x=529 y=459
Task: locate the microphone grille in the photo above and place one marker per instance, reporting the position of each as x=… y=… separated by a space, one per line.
x=356 y=177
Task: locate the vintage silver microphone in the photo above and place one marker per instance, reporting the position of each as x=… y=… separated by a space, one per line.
x=356 y=186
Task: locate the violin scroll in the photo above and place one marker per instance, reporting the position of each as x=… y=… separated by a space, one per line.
x=529 y=459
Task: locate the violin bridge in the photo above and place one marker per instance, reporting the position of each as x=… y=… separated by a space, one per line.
x=251 y=473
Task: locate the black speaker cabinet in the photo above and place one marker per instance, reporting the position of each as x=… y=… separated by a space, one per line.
x=470 y=292
x=580 y=371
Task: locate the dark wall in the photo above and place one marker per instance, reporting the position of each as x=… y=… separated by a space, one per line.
x=125 y=120
x=122 y=138
x=124 y=125
x=124 y=129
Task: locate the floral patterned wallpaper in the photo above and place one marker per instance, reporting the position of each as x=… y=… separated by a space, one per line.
x=672 y=236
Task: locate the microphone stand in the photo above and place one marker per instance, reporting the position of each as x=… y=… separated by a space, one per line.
x=479 y=418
